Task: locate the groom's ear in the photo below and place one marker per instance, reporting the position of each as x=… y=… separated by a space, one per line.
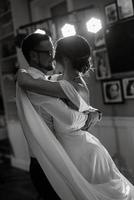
x=33 y=56
x=66 y=60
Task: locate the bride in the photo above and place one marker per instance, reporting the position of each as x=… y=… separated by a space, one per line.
x=67 y=101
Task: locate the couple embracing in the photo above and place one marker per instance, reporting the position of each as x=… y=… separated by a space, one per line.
x=55 y=114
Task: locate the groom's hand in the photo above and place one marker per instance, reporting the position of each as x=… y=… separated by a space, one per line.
x=93 y=117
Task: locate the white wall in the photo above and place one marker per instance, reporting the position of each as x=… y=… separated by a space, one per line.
x=41 y=9
x=20 y=157
x=111 y=128
x=20 y=12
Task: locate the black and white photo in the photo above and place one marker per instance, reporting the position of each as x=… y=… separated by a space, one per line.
x=112 y=91
x=101 y=64
x=111 y=13
x=128 y=88
x=125 y=8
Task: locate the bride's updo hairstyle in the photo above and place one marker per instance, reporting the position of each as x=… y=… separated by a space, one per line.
x=77 y=49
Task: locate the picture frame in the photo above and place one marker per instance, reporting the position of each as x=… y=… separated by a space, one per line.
x=101 y=64
x=112 y=92
x=125 y=8
x=128 y=88
x=99 y=40
x=111 y=13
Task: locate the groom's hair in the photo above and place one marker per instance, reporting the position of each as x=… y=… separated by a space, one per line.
x=31 y=41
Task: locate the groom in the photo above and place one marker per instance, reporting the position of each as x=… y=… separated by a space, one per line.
x=38 y=50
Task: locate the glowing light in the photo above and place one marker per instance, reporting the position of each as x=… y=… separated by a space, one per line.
x=94 y=25
x=40 y=31
x=68 y=30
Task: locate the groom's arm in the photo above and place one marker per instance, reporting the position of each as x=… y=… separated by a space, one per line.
x=40 y=86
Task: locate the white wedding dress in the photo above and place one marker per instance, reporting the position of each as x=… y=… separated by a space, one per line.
x=90 y=174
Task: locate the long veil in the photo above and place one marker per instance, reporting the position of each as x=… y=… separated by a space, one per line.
x=56 y=164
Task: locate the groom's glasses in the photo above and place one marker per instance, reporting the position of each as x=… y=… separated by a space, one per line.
x=49 y=53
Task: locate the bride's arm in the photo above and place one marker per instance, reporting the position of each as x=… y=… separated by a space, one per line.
x=40 y=86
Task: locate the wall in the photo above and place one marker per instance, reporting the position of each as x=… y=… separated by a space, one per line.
x=39 y=9
x=117 y=136
x=95 y=86
x=21 y=16
x=20 y=157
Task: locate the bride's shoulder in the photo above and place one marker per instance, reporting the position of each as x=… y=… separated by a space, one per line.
x=82 y=90
x=77 y=93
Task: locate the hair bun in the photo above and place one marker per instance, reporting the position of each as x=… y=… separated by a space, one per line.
x=77 y=49
x=82 y=64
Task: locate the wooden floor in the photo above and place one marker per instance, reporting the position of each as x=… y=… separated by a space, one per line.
x=15 y=184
